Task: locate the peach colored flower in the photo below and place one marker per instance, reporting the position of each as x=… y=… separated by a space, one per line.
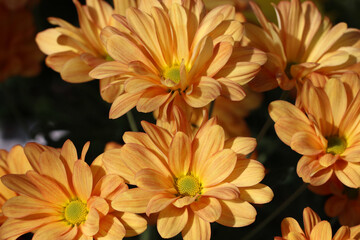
x=172 y=54
x=344 y=202
x=74 y=52
x=189 y=180
x=19 y=55
x=64 y=198
x=315 y=229
x=302 y=44
x=12 y=162
x=326 y=131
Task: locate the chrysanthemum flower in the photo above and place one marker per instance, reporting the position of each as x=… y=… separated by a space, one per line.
x=172 y=54
x=343 y=202
x=326 y=132
x=74 y=52
x=315 y=229
x=302 y=44
x=12 y=162
x=19 y=55
x=64 y=198
x=189 y=181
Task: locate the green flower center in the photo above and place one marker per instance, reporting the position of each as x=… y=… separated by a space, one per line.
x=75 y=212
x=109 y=58
x=336 y=145
x=188 y=185
x=172 y=73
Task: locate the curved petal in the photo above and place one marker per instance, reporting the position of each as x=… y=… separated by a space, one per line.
x=54 y=230
x=180 y=154
x=236 y=213
x=76 y=71
x=153 y=180
x=208 y=208
x=311 y=219
x=196 y=228
x=123 y=104
x=91 y=225
x=110 y=228
x=226 y=191
x=348 y=173
x=289 y=225
x=258 y=194
x=134 y=200
x=241 y=145
x=247 y=172
x=133 y=223
x=279 y=109
x=159 y=202
x=171 y=221
x=202 y=94
x=322 y=231
x=306 y=144
x=152 y=99
x=82 y=180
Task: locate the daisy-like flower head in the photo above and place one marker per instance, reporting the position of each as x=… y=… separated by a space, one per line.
x=64 y=198
x=344 y=202
x=73 y=51
x=315 y=229
x=170 y=53
x=189 y=180
x=12 y=162
x=326 y=131
x=301 y=44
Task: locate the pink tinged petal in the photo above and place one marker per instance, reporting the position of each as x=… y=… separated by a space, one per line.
x=320 y=177
x=258 y=194
x=137 y=157
x=206 y=145
x=280 y=108
x=231 y=89
x=221 y=55
x=241 y=73
x=23 y=206
x=152 y=99
x=287 y=127
x=133 y=223
x=76 y=71
x=110 y=228
x=91 y=226
x=160 y=202
x=180 y=154
x=236 y=213
x=134 y=200
x=82 y=180
x=226 y=191
x=108 y=184
x=55 y=230
x=199 y=58
x=21 y=185
x=152 y=180
x=69 y=156
x=311 y=219
x=328 y=159
x=123 y=104
x=140 y=83
x=222 y=162
x=108 y=69
x=208 y=208
x=322 y=231
x=241 y=145
x=196 y=228
x=160 y=136
x=100 y=204
x=171 y=221
x=202 y=94
x=348 y=173
x=114 y=164
x=48 y=187
x=306 y=144
x=247 y=172
x=13 y=228
x=184 y=201
x=289 y=225
x=335 y=90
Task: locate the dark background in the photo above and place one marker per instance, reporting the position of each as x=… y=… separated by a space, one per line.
x=46 y=108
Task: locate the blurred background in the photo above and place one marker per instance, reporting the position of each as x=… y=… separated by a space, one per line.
x=37 y=105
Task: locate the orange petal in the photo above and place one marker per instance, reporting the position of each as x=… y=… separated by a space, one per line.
x=335 y=90
x=54 y=230
x=289 y=225
x=196 y=228
x=108 y=69
x=134 y=200
x=123 y=104
x=280 y=108
x=322 y=231
x=206 y=91
x=17 y=161
x=109 y=184
x=226 y=191
x=231 y=89
x=180 y=154
x=236 y=213
x=184 y=201
x=208 y=208
x=110 y=227
x=348 y=173
x=287 y=127
x=306 y=144
x=91 y=225
x=100 y=204
x=152 y=180
x=152 y=99
x=69 y=155
x=247 y=173
x=114 y=164
x=133 y=223
x=241 y=145
x=76 y=71
x=342 y=234
x=171 y=221
x=159 y=202
x=47 y=42
x=311 y=219
x=258 y=194
x=82 y=180
x=21 y=185
x=159 y=136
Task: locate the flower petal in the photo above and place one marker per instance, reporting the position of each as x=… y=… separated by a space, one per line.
x=208 y=208
x=226 y=191
x=82 y=180
x=241 y=145
x=311 y=219
x=171 y=221
x=153 y=180
x=159 y=202
x=91 y=225
x=306 y=144
x=54 y=230
x=202 y=94
x=258 y=194
x=110 y=228
x=247 y=172
x=134 y=200
x=133 y=223
x=123 y=104
x=348 y=173
x=196 y=228
x=322 y=231
x=236 y=213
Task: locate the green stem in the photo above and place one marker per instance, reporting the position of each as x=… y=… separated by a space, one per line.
x=282 y=207
x=132 y=122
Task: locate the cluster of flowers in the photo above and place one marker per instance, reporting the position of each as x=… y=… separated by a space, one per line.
x=175 y=57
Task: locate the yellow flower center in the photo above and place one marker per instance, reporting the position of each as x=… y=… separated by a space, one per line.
x=172 y=73
x=188 y=185
x=336 y=145
x=75 y=212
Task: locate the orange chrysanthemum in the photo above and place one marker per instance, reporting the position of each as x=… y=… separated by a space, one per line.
x=74 y=52
x=170 y=54
x=315 y=229
x=326 y=132
x=19 y=55
x=302 y=44
x=344 y=202
x=64 y=198
x=189 y=181
x=12 y=162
